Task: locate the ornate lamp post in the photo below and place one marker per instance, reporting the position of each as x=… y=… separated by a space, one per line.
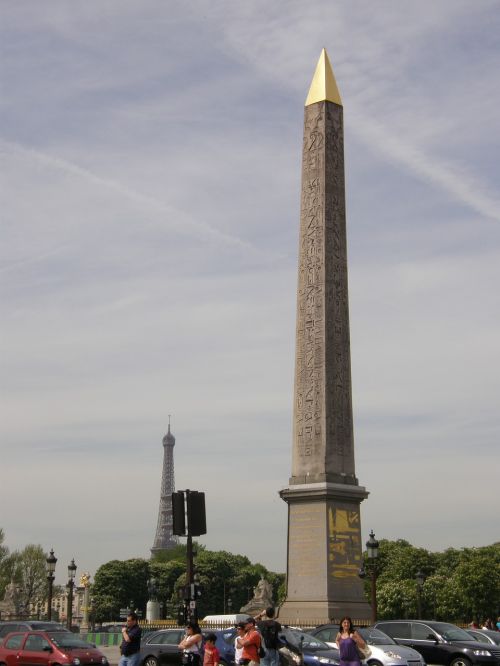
x=369 y=570
x=91 y=614
x=70 y=585
x=50 y=568
x=420 y=578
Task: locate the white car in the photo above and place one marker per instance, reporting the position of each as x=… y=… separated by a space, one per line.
x=384 y=650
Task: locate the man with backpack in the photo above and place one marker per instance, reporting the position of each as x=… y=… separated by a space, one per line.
x=269 y=629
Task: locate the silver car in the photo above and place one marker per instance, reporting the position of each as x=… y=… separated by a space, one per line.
x=384 y=650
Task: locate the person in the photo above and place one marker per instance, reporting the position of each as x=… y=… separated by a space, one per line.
x=250 y=643
x=211 y=655
x=131 y=642
x=191 y=645
x=240 y=632
x=269 y=629
x=348 y=640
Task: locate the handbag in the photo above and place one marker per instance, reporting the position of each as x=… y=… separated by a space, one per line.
x=364 y=652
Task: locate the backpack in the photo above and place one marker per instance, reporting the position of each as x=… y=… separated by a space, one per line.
x=270 y=630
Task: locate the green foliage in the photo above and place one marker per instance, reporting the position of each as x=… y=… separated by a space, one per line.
x=177 y=553
x=118 y=585
x=4 y=572
x=26 y=569
x=226 y=580
x=460 y=585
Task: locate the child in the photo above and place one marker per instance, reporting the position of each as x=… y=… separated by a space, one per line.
x=211 y=656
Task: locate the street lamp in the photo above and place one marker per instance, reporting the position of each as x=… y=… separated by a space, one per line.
x=420 y=578
x=369 y=570
x=70 y=586
x=50 y=568
x=92 y=619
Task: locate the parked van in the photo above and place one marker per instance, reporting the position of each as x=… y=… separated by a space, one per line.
x=224 y=621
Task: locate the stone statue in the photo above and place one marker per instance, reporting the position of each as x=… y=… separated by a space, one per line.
x=262 y=598
x=8 y=607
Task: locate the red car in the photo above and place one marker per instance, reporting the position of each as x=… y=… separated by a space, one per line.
x=48 y=648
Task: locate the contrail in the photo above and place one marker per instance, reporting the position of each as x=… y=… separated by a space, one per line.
x=187 y=225
x=446 y=175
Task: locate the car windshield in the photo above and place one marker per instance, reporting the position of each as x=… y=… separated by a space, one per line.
x=308 y=642
x=450 y=632
x=229 y=635
x=375 y=637
x=66 y=639
x=47 y=626
x=483 y=636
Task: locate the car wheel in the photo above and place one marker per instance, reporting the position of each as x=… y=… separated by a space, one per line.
x=374 y=662
x=460 y=661
x=150 y=661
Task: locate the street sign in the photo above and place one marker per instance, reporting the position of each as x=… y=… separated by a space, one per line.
x=192 y=604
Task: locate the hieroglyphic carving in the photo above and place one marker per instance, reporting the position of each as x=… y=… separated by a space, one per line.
x=323 y=442
x=344 y=542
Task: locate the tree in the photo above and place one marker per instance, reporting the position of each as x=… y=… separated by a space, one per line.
x=26 y=568
x=117 y=584
x=166 y=575
x=4 y=570
x=176 y=553
x=460 y=584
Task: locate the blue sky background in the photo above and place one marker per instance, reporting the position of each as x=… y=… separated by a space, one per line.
x=150 y=200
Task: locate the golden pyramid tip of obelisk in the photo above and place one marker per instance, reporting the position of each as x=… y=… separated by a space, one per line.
x=323 y=86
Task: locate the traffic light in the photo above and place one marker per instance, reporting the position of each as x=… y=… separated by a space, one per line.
x=178 y=513
x=196 y=513
x=182 y=615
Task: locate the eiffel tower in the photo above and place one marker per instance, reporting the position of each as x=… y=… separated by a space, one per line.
x=165 y=539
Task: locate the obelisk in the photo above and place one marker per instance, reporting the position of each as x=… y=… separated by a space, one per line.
x=323 y=496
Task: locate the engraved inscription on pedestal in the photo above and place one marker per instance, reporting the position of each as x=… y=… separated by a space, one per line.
x=306 y=555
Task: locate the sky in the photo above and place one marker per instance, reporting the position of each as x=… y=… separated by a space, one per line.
x=150 y=197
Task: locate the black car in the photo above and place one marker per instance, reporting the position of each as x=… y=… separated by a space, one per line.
x=485 y=636
x=440 y=642
x=34 y=625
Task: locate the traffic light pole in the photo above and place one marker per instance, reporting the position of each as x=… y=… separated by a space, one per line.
x=190 y=504
x=192 y=613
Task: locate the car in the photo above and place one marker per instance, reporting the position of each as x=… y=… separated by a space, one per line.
x=303 y=648
x=45 y=648
x=440 y=642
x=22 y=625
x=161 y=647
x=485 y=636
x=384 y=650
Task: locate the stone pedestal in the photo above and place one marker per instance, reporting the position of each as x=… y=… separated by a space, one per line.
x=152 y=611
x=324 y=554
